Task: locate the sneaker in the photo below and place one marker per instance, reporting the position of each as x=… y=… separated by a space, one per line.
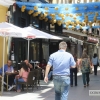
x=87 y=84
x=11 y=87
x=84 y=85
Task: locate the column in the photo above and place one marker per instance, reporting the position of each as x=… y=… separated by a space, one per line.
x=88 y=1
x=76 y=1
x=73 y=1
x=54 y=1
x=66 y=1
x=95 y=49
x=91 y=0
x=82 y=1
x=59 y=1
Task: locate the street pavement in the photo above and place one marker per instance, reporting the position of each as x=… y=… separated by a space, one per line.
x=46 y=91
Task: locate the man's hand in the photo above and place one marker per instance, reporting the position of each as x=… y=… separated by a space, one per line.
x=46 y=79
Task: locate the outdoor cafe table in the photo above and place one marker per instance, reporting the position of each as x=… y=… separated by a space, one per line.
x=10 y=73
x=34 y=62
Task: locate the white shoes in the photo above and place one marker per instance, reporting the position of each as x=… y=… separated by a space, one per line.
x=11 y=87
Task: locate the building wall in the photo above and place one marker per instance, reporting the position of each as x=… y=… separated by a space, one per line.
x=73 y=1
x=3 y=11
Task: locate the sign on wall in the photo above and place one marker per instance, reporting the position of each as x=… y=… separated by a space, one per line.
x=92 y=39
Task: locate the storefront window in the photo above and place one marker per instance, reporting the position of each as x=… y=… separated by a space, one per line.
x=90 y=50
x=34 y=51
x=45 y=47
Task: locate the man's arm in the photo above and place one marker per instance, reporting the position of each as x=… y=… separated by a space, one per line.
x=46 y=73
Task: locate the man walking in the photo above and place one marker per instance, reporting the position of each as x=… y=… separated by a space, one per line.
x=61 y=61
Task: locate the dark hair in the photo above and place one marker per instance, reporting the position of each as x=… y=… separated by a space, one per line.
x=44 y=61
x=24 y=66
x=95 y=55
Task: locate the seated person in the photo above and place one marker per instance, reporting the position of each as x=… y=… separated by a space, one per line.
x=22 y=77
x=43 y=64
x=8 y=68
x=37 y=66
x=28 y=64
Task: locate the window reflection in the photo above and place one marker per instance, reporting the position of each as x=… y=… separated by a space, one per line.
x=34 y=55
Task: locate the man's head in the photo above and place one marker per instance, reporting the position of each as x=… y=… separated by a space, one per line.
x=26 y=61
x=9 y=63
x=63 y=45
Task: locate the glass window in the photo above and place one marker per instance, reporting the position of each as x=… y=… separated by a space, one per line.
x=34 y=51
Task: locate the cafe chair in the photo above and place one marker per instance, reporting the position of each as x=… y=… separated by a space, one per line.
x=31 y=80
x=37 y=72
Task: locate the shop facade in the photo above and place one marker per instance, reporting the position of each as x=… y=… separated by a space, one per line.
x=91 y=44
x=23 y=18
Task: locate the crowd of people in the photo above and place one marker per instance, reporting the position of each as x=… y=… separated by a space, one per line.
x=85 y=65
x=21 y=75
x=62 y=65
x=65 y=66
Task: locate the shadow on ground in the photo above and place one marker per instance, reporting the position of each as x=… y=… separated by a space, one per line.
x=46 y=91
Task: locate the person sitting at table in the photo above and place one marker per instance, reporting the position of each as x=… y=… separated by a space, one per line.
x=28 y=64
x=43 y=64
x=37 y=66
x=22 y=77
x=8 y=68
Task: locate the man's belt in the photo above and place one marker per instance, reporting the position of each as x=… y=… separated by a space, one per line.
x=62 y=75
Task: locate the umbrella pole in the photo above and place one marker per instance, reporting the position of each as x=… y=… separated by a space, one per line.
x=3 y=65
x=28 y=49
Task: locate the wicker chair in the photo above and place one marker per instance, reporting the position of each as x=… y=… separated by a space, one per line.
x=31 y=80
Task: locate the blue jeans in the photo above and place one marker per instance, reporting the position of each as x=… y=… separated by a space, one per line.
x=50 y=74
x=61 y=86
x=85 y=77
x=19 y=85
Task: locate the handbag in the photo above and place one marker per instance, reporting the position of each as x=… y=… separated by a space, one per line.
x=91 y=72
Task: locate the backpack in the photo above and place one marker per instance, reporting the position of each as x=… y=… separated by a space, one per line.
x=85 y=65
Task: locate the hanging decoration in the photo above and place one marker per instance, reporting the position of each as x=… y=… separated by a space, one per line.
x=23 y=8
x=80 y=16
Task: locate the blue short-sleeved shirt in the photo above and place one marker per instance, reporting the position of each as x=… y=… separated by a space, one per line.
x=61 y=62
x=95 y=60
x=6 y=69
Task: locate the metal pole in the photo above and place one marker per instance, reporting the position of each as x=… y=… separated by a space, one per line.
x=3 y=65
x=28 y=49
